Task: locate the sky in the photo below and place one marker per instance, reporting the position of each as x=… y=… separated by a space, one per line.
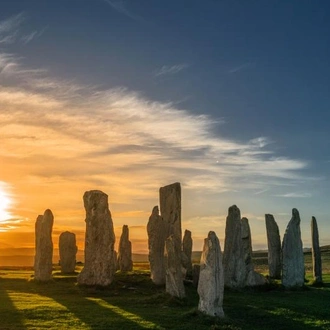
x=229 y=98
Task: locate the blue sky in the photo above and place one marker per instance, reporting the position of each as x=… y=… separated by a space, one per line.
x=231 y=98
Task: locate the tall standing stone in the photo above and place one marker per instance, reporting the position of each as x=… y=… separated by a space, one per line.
x=156 y=244
x=233 y=257
x=43 y=262
x=211 y=278
x=187 y=244
x=174 y=278
x=99 y=266
x=170 y=210
x=252 y=278
x=125 y=262
x=68 y=250
x=293 y=272
x=239 y=269
x=316 y=252
x=274 y=247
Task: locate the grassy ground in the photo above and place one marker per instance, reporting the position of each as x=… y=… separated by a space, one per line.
x=133 y=302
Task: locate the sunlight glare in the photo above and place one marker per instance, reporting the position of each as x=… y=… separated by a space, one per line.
x=4 y=205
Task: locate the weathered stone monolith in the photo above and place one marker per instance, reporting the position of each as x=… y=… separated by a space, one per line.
x=68 y=250
x=316 y=252
x=211 y=278
x=274 y=247
x=233 y=257
x=99 y=265
x=187 y=244
x=43 y=262
x=125 y=262
x=156 y=244
x=237 y=258
x=170 y=210
x=173 y=265
x=293 y=271
x=252 y=278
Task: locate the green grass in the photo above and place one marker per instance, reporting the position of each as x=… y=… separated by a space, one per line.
x=134 y=302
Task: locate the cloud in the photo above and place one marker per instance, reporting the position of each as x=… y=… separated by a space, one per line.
x=296 y=195
x=241 y=67
x=11 y=24
x=170 y=69
x=32 y=35
x=10 y=31
x=120 y=7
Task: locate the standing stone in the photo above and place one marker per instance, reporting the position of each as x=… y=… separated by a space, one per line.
x=293 y=272
x=99 y=265
x=239 y=269
x=187 y=244
x=68 y=250
x=156 y=244
x=174 y=279
x=274 y=247
x=233 y=257
x=43 y=262
x=316 y=252
x=252 y=278
x=170 y=210
x=211 y=278
x=125 y=262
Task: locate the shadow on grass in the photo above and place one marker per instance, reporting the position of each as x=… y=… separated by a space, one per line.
x=9 y=315
x=133 y=302
x=83 y=303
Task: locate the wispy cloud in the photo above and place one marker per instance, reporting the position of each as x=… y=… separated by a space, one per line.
x=121 y=7
x=10 y=31
x=33 y=35
x=170 y=69
x=240 y=67
x=296 y=195
x=11 y=24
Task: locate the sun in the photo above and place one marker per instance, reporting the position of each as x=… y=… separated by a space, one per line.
x=4 y=205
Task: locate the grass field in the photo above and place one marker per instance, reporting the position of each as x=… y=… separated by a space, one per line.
x=133 y=302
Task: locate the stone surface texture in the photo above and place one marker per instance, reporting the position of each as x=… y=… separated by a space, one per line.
x=233 y=257
x=293 y=271
x=68 y=250
x=252 y=278
x=187 y=244
x=156 y=243
x=125 y=262
x=274 y=247
x=170 y=210
x=99 y=264
x=211 y=278
x=43 y=262
x=237 y=258
x=316 y=252
x=173 y=266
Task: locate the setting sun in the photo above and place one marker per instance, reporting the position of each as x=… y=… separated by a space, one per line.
x=4 y=205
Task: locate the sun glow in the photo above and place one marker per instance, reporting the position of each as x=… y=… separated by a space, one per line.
x=4 y=205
